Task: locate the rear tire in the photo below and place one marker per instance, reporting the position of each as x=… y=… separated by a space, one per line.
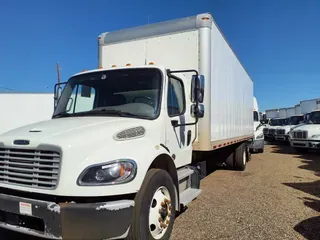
x=241 y=157
x=147 y=221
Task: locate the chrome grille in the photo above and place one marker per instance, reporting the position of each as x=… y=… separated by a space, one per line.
x=300 y=134
x=33 y=168
x=272 y=131
x=265 y=130
x=281 y=132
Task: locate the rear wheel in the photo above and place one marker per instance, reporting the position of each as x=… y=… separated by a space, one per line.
x=241 y=157
x=154 y=211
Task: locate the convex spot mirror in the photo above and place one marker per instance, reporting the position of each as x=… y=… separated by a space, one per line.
x=197 y=88
x=197 y=111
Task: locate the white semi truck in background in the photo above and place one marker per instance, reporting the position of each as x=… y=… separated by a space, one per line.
x=298 y=109
x=282 y=133
x=167 y=98
x=307 y=136
x=258 y=141
x=19 y=109
x=271 y=115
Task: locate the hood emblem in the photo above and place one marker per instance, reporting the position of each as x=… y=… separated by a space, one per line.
x=21 y=142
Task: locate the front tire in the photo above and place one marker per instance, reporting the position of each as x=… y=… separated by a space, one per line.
x=154 y=211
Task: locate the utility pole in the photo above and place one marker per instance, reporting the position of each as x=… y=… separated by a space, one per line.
x=58 y=72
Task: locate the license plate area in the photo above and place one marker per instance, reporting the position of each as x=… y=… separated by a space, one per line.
x=22 y=221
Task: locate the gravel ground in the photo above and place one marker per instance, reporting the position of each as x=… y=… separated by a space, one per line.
x=276 y=197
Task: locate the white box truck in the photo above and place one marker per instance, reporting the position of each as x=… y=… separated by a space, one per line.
x=298 y=109
x=283 y=113
x=282 y=133
x=257 y=144
x=269 y=130
x=166 y=96
x=292 y=120
x=291 y=111
x=307 y=136
x=19 y=109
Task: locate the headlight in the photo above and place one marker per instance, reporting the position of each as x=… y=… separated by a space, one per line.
x=260 y=136
x=116 y=172
x=315 y=136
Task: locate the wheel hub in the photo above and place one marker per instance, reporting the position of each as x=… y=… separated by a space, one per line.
x=160 y=213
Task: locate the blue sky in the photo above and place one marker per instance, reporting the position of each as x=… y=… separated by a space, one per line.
x=277 y=41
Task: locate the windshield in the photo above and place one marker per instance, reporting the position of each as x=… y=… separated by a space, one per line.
x=277 y=122
x=295 y=120
x=255 y=116
x=129 y=92
x=306 y=117
x=314 y=118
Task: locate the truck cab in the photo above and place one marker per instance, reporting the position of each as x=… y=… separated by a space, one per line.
x=307 y=136
x=282 y=133
x=274 y=124
x=258 y=141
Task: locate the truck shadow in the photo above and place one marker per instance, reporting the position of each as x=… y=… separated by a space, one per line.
x=309 y=228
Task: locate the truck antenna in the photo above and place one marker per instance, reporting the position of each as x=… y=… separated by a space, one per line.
x=58 y=72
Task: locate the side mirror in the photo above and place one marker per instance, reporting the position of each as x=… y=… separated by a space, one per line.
x=197 y=111
x=197 y=88
x=57 y=93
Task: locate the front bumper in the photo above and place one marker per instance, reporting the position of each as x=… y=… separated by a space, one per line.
x=305 y=144
x=269 y=136
x=282 y=137
x=257 y=145
x=104 y=220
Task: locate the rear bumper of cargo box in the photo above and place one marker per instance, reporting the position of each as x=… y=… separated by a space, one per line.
x=66 y=220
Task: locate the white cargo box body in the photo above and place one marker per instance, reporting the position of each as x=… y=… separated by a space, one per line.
x=298 y=109
x=310 y=105
x=282 y=113
x=191 y=43
x=272 y=113
x=18 y=109
x=291 y=111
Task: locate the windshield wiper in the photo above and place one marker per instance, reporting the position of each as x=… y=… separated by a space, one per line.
x=110 y=111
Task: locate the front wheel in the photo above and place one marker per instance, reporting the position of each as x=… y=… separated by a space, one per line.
x=154 y=211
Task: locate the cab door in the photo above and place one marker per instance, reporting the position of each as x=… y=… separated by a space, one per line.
x=179 y=139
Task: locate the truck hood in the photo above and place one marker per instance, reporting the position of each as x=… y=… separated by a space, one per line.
x=308 y=127
x=58 y=131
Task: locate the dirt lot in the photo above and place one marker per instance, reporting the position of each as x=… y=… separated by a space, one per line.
x=277 y=197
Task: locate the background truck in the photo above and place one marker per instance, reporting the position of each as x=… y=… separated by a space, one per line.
x=291 y=111
x=270 y=114
x=298 y=109
x=307 y=136
x=282 y=133
x=283 y=113
x=19 y=109
x=257 y=144
x=168 y=98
